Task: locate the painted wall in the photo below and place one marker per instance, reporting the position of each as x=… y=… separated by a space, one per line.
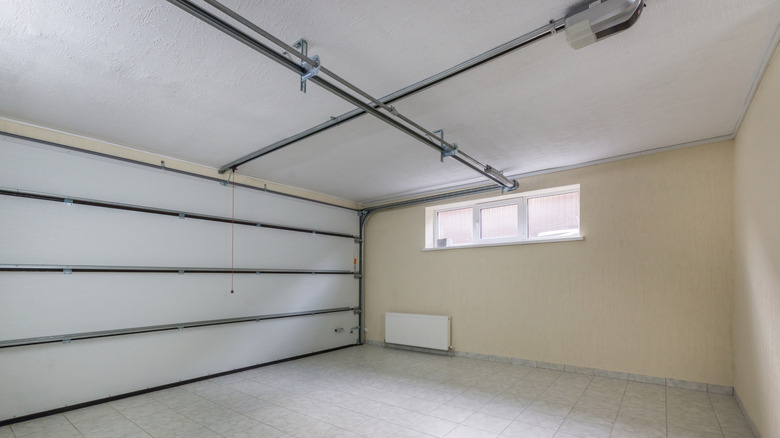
x=48 y=376
x=648 y=291
x=757 y=255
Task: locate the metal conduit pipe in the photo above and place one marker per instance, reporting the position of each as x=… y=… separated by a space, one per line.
x=425 y=137
x=483 y=58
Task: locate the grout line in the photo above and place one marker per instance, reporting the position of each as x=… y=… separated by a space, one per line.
x=666 y=410
x=625 y=389
x=717 y=417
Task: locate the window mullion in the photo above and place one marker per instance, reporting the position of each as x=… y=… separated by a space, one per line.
x=522 y=218
x=477 y=211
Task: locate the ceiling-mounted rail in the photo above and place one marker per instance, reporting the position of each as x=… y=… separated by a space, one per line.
x=67 y=338
x=490 y=55
x=409 y=127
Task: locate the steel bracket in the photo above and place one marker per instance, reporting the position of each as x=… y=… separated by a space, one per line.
x=446 y=151
x=509 y=189
x=356 y=275
x=356 y=311
x=358 y=240
x=357 y=327
x=309 y=70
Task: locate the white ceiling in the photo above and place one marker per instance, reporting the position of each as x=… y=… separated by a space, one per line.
x=145 y=74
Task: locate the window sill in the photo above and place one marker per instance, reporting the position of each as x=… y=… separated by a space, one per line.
x=522 y=242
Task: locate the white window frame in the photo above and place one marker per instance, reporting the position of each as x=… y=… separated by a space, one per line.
x=436 y=224
x=520 y=199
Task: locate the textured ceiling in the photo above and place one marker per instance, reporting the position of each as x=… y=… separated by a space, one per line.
x=145 y=74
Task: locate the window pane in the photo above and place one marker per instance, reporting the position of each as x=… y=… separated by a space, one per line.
x=554 y=216
x=498 y=222
x=456 y=225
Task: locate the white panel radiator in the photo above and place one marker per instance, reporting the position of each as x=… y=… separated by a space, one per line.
x=426 y=331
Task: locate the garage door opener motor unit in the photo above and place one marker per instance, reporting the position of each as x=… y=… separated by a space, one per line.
x=597 y=20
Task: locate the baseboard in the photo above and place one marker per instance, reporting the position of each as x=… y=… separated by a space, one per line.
x=158 y=388
x=620 y=375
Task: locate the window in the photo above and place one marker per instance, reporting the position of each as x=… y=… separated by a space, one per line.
x=542 y=215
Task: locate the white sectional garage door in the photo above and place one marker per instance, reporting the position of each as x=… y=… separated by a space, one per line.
x=94 y=246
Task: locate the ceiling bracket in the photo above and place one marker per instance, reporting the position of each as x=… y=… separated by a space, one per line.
x=446 y=150
x=309 y=70
x=505 y=189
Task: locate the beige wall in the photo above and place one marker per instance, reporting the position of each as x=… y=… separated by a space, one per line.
x=757 y=256
x=648 y=291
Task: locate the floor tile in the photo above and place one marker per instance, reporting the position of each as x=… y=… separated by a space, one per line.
x=376 y=392
x=45 y=424
x=433 y=426
x=62 y=432
x=201 y=432
x=315 y=429
x=90 y=413
x=452 y=413
x=490 y=423
x=541 y=419
x=408 y=433
x=504 y=408
x=106 y=428
x=469 y=432
x=525 y=430
x=638 y=429
x=259 y=430
x=584 y=429
x=677 y=432
x=172 y=428
x=161 y=418
x=399 y=416
x=375 y=428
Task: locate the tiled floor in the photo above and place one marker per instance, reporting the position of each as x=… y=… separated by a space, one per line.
x=370 y=391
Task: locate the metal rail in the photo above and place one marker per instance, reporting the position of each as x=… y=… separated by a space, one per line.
x=170 y=169
x=426 y=137
x=164 y=270
x=66 y=338
x=429 y=82
x=432 y=198
x=165 y=212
